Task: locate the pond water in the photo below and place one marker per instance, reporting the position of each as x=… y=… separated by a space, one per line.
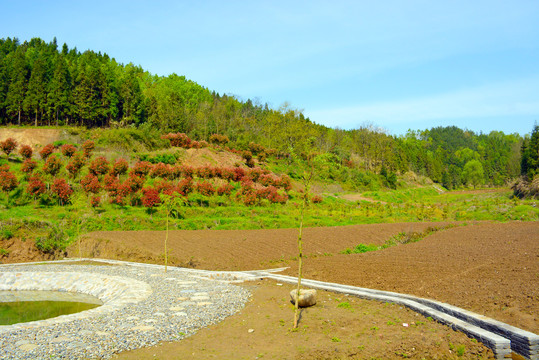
x=24 y=306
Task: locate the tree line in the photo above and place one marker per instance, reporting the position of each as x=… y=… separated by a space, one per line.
x=44 y=84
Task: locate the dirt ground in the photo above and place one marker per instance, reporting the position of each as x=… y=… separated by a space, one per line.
x=489 y=268
x=337 y=327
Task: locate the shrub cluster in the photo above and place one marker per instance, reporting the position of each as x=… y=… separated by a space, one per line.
x=121 y=184
x=8 y=145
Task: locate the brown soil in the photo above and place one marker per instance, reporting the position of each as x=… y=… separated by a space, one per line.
x=489 y=268
x=34 y=137
x=357 y=329
x=236 y=249
x=211 y=157
x=15 y=250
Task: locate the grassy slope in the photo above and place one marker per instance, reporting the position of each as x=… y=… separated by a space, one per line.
x=56 y=226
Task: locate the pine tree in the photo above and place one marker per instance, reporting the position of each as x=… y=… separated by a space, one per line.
x=60 y=89
x=35 y=99
x=18 y=83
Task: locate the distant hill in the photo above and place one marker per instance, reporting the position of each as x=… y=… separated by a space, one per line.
x=42 y=84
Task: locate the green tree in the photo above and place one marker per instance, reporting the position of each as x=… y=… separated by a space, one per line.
x=473 y=173
x=60 y=90
x=36 y=94
x=18 y=83
x=530 y=154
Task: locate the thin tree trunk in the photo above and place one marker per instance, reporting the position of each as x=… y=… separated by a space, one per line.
x=166 y=239
x=307 y=183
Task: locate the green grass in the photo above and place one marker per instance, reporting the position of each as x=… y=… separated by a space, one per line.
x=222 y=213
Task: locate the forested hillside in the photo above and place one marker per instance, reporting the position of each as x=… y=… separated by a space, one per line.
x=44 y=84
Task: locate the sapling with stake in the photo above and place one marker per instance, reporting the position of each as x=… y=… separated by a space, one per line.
x=169 y=204
x=307 y=183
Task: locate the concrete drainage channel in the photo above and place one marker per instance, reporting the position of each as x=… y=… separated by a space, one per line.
x=500 y=337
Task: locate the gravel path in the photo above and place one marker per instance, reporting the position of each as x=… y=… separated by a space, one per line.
x=180 y=304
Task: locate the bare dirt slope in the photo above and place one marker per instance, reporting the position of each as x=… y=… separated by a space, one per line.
x=33 y=137
x=489 y=268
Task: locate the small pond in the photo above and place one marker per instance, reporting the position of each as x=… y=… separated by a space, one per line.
x=24 y=306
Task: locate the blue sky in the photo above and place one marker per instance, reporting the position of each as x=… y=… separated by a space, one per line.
x=398 y=65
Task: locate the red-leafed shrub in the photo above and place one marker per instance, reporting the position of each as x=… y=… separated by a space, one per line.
x=119 y=167
x=35 y=187
x=90 y=184
x=62 y=190
x=250 y=199
x=26 y=151
x=75 y=164
x=203 y=144
x=266 y=180
x=8 y=181
x=240 y=173
x=284 y=182
x=205 y=188
x=53 y=165
x=178 y=140
x=134 y=182
x=219 y=139
x=185 y=186
x=99 y=166
x=225 y=189
x=8 y=145
x=205 y=172
x=95 y=201
x=174 y=172
x=187 y=171
x=124 y=189
x=247 y=155
x=46 y=151
x=195 y=145
x=228 y=174
x=111 y=184
x=247 y=186
x=150 y=197
x=316 y=199
x=164 y=186
x=142 y=168
x=4 y=167
x=117 y=200
x=88 y=147
x=256 y=148
x=160 y=170
x=254 y=174
x=272 y=195
x=68 y=150
x=28 y=166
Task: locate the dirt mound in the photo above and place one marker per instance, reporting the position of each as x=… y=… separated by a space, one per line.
x=15 y=250
x=34 y=137
x=210 y=157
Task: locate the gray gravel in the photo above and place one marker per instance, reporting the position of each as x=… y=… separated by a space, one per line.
x=181 y=303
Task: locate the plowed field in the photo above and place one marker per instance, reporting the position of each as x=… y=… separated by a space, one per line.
x=489 y=268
